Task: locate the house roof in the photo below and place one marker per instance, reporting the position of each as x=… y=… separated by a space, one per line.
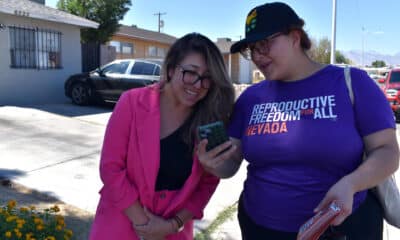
x=224 y=44
x=26 y=8
x=133 y=31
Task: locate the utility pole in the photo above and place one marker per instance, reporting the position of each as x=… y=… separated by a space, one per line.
x=159 y=19
x=333 y=41
x=362 y=46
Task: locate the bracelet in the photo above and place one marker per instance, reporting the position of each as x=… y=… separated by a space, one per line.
x=140 y=225
x=178 y=221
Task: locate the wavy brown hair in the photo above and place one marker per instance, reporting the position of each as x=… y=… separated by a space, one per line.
x=218 y=103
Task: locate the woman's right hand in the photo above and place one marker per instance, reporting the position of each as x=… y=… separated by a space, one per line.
x=217 y=161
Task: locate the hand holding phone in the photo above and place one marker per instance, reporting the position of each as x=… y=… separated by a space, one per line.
x=214 y=133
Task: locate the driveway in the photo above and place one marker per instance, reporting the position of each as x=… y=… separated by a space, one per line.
x=54 y=149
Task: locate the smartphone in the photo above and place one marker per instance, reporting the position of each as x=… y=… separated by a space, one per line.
x=215 y=134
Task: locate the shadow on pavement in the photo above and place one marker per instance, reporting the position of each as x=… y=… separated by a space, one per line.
x=6 y=174
x=68 y=109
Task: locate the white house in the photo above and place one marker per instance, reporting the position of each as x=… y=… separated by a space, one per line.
x=239 y=69
x=39 y=48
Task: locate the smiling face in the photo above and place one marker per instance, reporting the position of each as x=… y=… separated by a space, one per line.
x=185 y=93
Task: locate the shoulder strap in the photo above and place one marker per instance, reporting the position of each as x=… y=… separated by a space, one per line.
x=347 y=77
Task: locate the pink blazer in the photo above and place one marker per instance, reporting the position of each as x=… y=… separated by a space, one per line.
x=129 y=166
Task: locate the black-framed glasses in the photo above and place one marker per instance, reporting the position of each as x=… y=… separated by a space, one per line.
x=260 y=47
x=191 y=77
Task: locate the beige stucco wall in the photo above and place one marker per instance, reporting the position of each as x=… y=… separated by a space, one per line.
x=33 y=86
x=140 y=47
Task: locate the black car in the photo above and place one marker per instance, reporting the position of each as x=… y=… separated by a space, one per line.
x=109 y=81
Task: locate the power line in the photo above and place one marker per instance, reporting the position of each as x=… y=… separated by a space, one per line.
x=159 y=19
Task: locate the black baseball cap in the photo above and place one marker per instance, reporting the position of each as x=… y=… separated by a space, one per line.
x=266 y=20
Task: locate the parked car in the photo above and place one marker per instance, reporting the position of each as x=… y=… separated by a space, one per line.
x=108 y=82
x=391 y=88
x=376 y=78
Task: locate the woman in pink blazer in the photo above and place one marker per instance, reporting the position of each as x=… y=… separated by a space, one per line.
x=154 y=185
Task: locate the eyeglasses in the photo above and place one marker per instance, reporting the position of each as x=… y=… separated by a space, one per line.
x=191 y=77
x=261 y=47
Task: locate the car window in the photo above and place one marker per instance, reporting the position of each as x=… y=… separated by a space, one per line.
x=119 y=67
x=142 y=68
x=157 y=71
x=395 y=77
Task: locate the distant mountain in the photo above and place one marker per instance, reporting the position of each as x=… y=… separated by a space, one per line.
x=371 y=56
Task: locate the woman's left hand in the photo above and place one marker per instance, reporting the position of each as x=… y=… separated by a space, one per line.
x=157 y=228
x=343 y=193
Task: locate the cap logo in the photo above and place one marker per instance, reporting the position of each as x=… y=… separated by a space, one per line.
x=251 y=20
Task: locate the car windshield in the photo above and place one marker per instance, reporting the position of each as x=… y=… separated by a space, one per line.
x=395 y=77
x=119 y=67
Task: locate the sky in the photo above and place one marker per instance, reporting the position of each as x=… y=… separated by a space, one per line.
x=368 y=25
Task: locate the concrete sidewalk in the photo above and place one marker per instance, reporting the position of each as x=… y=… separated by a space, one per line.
x=59 y=154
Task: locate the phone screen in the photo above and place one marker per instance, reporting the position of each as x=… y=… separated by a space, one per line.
x=215 y=134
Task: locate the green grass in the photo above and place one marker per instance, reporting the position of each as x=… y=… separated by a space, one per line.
x=222 y=217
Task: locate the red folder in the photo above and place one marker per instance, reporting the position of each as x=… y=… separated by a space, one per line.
x=316 y=226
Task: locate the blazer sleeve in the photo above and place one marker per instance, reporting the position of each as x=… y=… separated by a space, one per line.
x=113 y=167
x=201 y=195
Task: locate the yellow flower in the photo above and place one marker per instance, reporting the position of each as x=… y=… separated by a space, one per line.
x=59 y=227
x=61 y=222
x=24 y=209
x=55 y=208
x=8 y=234
x=28 y=236
x=38 y=221
x=40 y=227
x=11 y=218
x=11 y=204
x=68 y=232
x=66 y=237
x=50 y=238
x=20 y=221
x=32 y=207
x=19 y=234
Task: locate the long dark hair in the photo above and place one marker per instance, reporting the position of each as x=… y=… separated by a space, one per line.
x=218 y=103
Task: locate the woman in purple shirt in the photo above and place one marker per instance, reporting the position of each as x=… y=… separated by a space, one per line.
x=303 y=137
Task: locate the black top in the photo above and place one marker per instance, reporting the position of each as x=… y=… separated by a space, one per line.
x=175 y=162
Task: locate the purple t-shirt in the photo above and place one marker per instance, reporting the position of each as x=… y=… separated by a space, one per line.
x=300 y=138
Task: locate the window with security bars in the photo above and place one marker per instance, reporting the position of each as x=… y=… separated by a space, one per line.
x=35 y=48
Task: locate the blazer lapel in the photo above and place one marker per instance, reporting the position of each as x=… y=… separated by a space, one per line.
x=148 y=129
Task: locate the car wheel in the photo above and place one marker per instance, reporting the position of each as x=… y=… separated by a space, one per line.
x=80 y=94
